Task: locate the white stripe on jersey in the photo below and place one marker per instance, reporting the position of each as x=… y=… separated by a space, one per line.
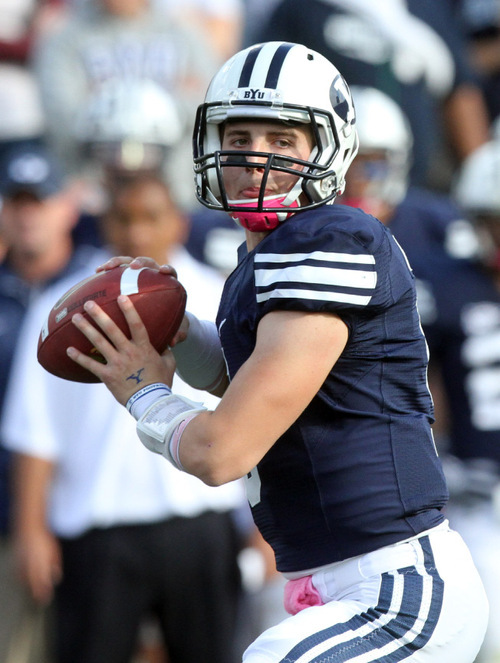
x=316 y=255
x=315 y=274
x=317 y=295
x=348 y=278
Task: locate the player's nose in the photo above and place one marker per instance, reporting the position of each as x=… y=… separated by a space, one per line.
x=257 y=158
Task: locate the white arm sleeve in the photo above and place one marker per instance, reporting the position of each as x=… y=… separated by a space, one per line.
x=200 y=360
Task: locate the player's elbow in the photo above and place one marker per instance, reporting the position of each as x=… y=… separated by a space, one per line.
x=210 y=452
x=213 y=479
x=215 y=472
x=214 y=449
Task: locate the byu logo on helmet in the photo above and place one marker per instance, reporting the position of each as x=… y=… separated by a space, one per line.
x=253 y=94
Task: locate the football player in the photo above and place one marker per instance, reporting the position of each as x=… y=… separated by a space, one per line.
x=464 y=341
x=421 y=220
x=319 y=357
x=459 y=307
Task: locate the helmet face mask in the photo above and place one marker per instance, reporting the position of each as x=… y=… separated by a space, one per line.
x=283 y=83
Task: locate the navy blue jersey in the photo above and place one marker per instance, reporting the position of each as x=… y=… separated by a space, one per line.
x=464 y=338
x=426 y=221
x=358 y=469
x=460 y=309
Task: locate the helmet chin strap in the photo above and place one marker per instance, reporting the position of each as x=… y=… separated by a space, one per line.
x=262 y=221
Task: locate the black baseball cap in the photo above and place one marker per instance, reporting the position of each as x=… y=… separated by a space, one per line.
x=31 y=168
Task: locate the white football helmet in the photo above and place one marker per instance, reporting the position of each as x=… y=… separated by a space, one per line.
x=477 y=190
x=129 y=122
x=283 y=82
x=383 y=127
x=477 y=186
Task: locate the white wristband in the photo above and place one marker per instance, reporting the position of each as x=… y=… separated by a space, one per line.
x=159 y=423
x=199 y=358
x=145 y=397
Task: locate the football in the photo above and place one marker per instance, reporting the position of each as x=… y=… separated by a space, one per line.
x=159 y=299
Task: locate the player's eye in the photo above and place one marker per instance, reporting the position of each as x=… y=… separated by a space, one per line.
x=283 y=143
x=240 y=142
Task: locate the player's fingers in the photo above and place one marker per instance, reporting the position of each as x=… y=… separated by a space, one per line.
x=109 y=328
x=85 y=361
x=144 y=261
x=168 y=269
x=181 y=333
x=95 y=336
x=114 y=262
x=138 y=331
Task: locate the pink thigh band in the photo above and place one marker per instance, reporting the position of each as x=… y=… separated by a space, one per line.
x=299 y=594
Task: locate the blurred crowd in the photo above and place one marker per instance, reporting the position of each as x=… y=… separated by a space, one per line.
x=107 y=554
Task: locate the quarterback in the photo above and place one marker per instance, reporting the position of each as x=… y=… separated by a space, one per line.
x=319 y=357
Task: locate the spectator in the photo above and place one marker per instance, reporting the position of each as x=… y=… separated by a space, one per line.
x=256 y=14
x=154 y=542
x=20 y=105
x=222 y=20
x=21 y=21
x=22 y=115
x=379 y=183
x=481 y=24
x=464 y=340
x=36 y=222
x=112 y=40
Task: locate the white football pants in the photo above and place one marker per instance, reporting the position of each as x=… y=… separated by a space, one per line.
x=421 y=600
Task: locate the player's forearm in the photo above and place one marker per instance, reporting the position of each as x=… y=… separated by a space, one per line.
x=465 y=103
x=32 y=477
x=37 y=550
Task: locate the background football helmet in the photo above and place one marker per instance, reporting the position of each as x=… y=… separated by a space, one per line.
x=129 y=124
x=276 y=81
x=477 y=187
x=477 y=191
x=383 y=130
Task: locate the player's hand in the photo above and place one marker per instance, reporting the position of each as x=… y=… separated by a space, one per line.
x=39 y=562
x=136 y=263
x=131 y=364
x=181 y=333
